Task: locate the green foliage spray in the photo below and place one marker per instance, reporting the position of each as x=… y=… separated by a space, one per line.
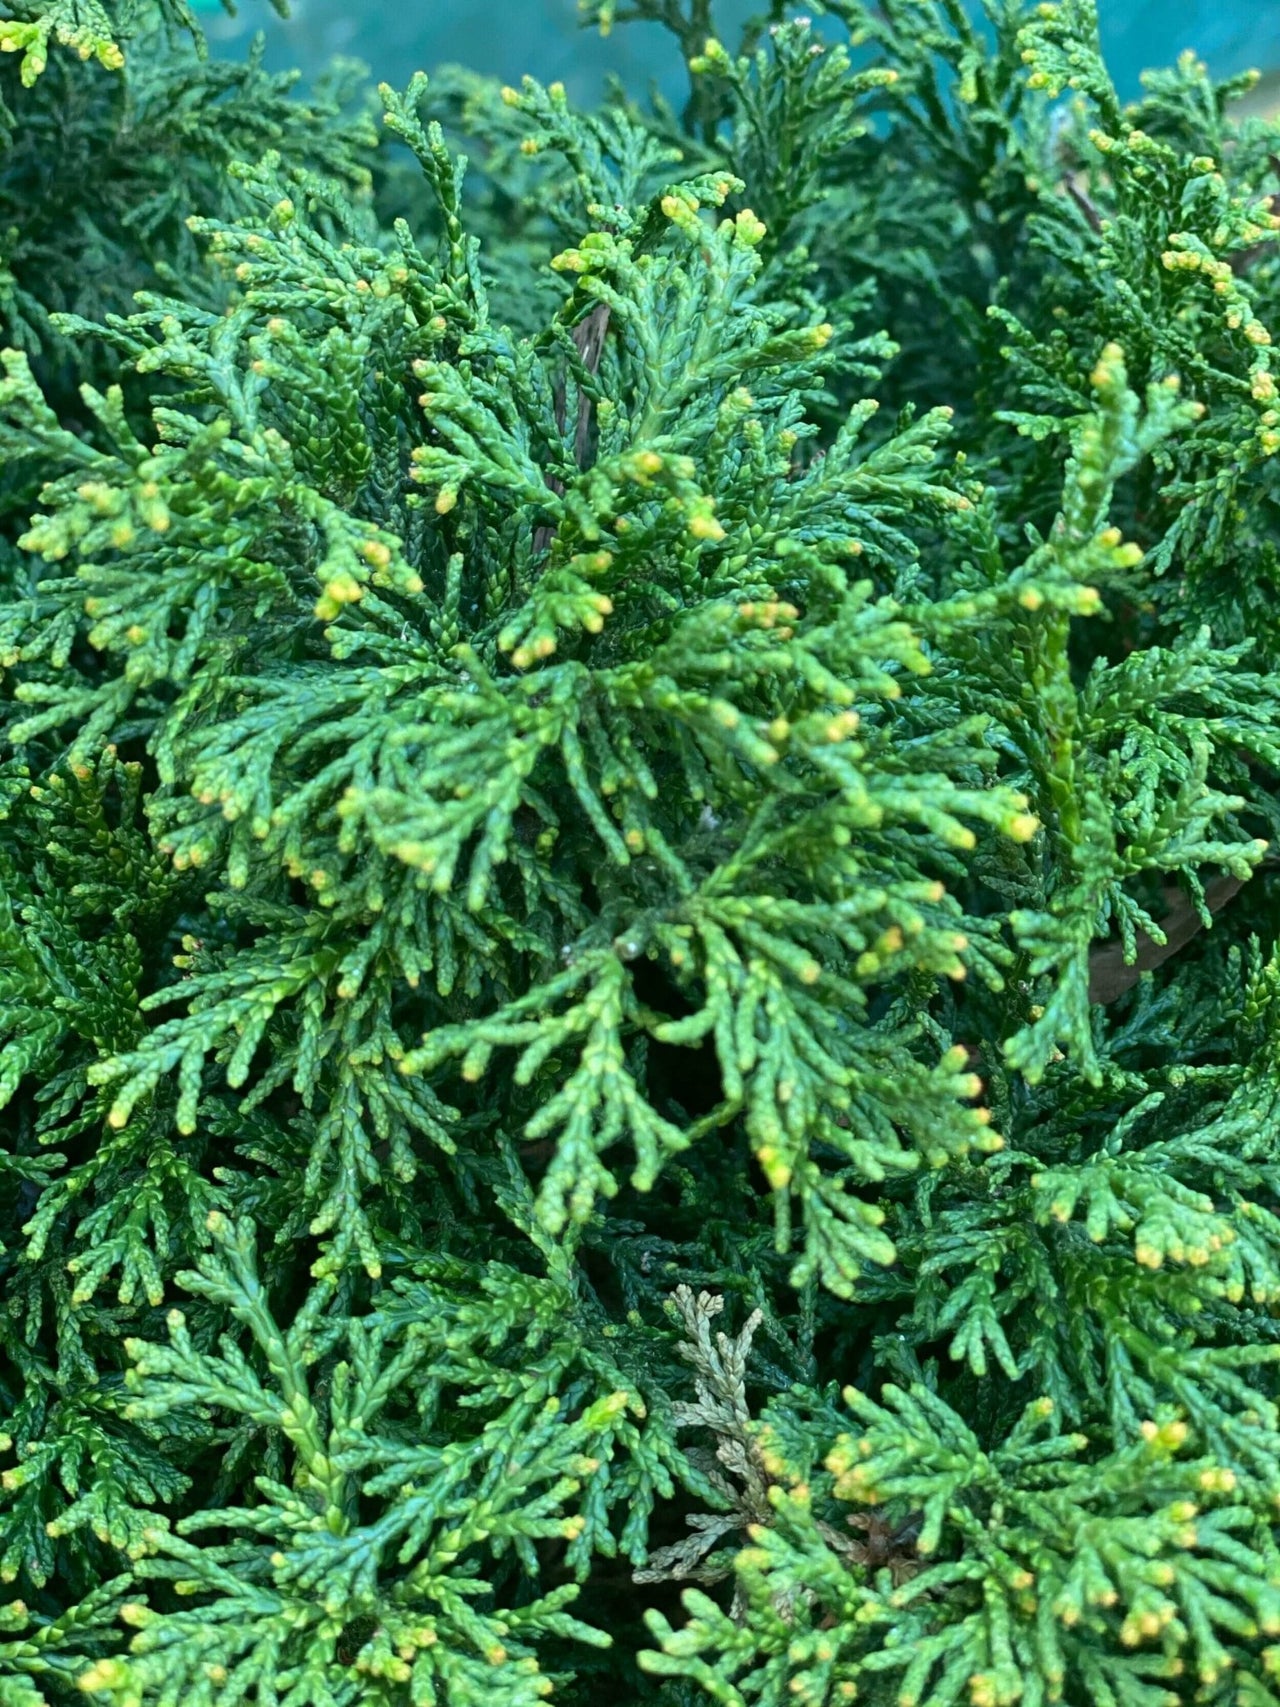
x=639 y=1007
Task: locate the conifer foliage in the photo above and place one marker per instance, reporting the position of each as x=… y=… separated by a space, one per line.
x=639 y=1001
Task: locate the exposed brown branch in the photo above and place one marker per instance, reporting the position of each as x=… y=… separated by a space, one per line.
x=1073 y=188
x=588 y=337
x=1109 y=973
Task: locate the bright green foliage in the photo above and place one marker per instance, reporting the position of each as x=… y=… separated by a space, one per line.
x=650 y=734
x=324 y=1601
x=92 y=29
x=1056 y=1576
x=101 y=163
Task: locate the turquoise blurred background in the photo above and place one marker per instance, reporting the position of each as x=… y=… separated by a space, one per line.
x=511 y=37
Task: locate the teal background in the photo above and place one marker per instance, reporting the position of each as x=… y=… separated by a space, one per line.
x=508 y=38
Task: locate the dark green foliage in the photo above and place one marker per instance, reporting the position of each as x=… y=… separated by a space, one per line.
x=678 y=730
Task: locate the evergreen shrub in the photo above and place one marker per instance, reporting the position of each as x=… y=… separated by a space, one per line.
x=639 y=1004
